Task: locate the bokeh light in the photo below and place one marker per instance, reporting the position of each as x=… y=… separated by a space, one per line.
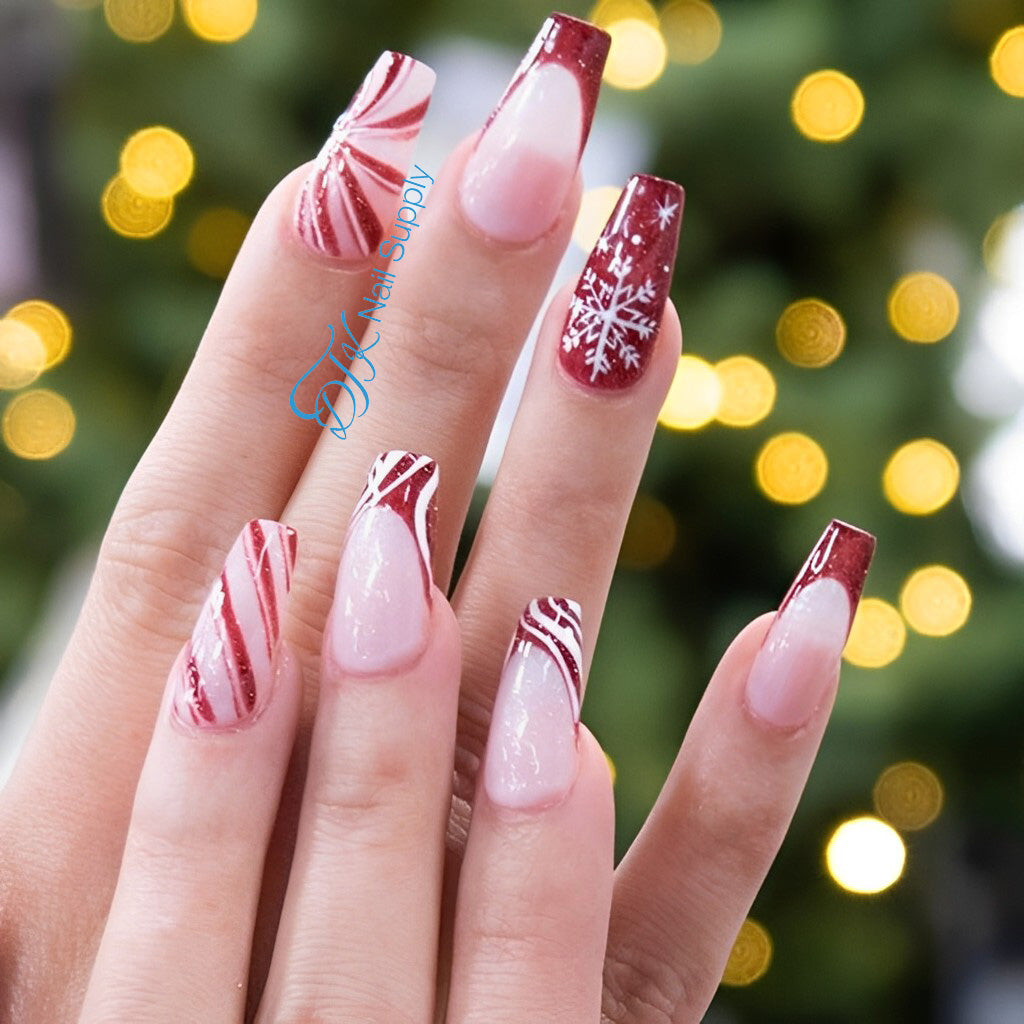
x=791 y=468
x=921 y=477
x=827 y=106
x=38 y=424
x=1007 y=61
x=214 y=239
x=50 y=323
x=650 y=534
x=810 y=333
x=692 y=400
x=935 y=600
x=877 y=636
x=751 y=955
x=613 y=772
x=132 y=215
x=220 y=21
x=908 y=795
x=1003 y=247
x=923 y=307
x=22 y=354
x=637 y=56
x=139 y=21
x=607 y=12
x=692 y=31
x=865 y=855
x=596 y=207
x=748 y=391
x=157 y=162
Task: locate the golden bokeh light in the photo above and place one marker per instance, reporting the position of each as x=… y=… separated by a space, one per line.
x=38 y=424
x=935 y=600
x=827 y=106
x=748 y=391
x=650 y=534
x=751 y=955
x=923 y=307
x=157 y=163
x=220 y=21
x=50 y=323
x=810 y=333
x=692 y=31
x=132 y=215
x=139 y=21
x=865 y=855
x=595 y=208
x=607 y=12
x=1007 y=61
x=637 y=56
x=214 y=239
x=692 y=400
x=22 y=355
x=877 y=636
x=921 y=477
x=908 y=795
x=791 y=468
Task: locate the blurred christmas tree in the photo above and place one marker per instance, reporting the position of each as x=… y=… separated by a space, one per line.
x=844 y=163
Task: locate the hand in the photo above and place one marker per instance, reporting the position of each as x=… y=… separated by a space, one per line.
x=340 y=920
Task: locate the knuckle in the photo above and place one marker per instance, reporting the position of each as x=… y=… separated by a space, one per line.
x=643 y=985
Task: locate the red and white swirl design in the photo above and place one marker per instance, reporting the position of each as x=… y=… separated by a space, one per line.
x=353 y=189
x=553 y=623
x=226 y=668
x=407 y=484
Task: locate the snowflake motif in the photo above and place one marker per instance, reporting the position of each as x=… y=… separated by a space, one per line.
x=665 y=213
x=609 y=316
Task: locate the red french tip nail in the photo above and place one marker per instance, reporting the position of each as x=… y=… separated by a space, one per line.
x=618 y=303
x=843 y=553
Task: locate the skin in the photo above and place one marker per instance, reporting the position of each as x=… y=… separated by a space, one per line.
x=535 y=924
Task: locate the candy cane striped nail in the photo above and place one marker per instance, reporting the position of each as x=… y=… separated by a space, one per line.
x=226 y=669
x=354 y=187
x=531 y=758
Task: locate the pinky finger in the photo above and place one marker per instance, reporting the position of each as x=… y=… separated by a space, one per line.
x=176 y=944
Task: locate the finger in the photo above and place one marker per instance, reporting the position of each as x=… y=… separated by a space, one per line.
x=176 y=943
x=535 y=888
x=231 y=446
x=556 y=513
x=685 y=886
x=358 y=934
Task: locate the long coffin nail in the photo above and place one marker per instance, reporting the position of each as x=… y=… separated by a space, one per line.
x=517 y=178
x=227 y=667
x=353 y=189
x=620 y=297
x=796 y=669
x=382 y=601
x=531 y=757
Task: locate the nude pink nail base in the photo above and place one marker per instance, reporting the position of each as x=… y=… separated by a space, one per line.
x=617 y=307
x=226 y=669
x=381 y=612
x=796 y=670
x=353 y=189
x=531 y=757
x=516 y=179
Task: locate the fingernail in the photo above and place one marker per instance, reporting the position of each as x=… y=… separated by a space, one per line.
x=517 y=178
x=353 y=189
x=620 y=297
x=798 y=664
x=227 y=667
x=531 y=757
x=379 y=619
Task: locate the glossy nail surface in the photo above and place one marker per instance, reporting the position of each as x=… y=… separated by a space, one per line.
x=618 y=303
x=354 y=187
x=226 y=669
x=531 y=757
x=796 y=669
x=381 y=610
x=517 y=178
